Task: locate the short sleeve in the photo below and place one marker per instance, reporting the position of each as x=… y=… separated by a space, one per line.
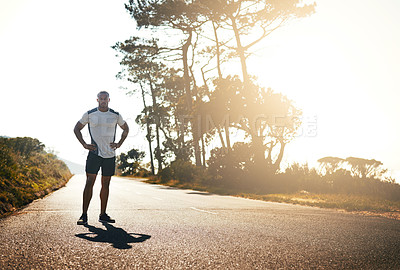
x=121 y=121
x=85 y=118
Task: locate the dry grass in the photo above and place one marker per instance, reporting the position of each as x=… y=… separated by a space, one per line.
x=360 y=204
x=352 y=203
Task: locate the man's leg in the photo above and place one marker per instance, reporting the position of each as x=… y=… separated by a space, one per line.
x=105 y=188
x=88 y=191
x=107 y=170
x=93 y=163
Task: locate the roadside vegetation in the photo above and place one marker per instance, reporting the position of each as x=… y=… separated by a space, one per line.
x=352 y=184
x=27 y=172
x=209 y=123
x=194 y=83
x=346 y=187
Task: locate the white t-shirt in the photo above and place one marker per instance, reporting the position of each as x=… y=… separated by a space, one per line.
x=102 y=129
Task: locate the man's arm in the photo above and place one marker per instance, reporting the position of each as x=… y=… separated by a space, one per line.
x=78 y=134
x=124 y=134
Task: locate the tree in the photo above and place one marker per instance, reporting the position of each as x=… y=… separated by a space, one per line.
x=178 y=15
x=8 y=164
x=175 y=126
x=330 y=164
x=142 y=68
x=365 y=168
x=24 y=146
x=271 y=121
x=129 y=163
x=216 y=114
x=252 y=20
x=148 y=127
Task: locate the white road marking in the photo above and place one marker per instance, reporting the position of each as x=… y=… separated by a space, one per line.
x=156 y=198
x=204 y=211
x=139 y=193
x=46 y=211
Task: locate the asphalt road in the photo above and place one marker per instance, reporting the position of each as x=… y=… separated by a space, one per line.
x=165 y=228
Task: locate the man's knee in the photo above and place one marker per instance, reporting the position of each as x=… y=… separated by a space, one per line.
x=105 y=180
x=90 y=179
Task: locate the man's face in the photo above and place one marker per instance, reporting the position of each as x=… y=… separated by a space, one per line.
x=103 y=100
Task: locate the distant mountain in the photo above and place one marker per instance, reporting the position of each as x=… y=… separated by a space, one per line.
x=75 y=168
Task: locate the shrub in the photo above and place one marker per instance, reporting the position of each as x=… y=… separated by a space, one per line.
x=231 y=168
x=27 y=172
x=183 y=171
x=129 y=164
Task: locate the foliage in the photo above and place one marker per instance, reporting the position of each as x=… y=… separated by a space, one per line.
x=341 y=181
x=230 y=169
x=129 y=163
x=330 y=164
x=199 y=93
x=300 y=184
x=180 y=75
x=235 y=173
x=197 y=96
x=25 y=146
x=184 y=172
x=365 y=167
x=358 y=167
x=27 y=172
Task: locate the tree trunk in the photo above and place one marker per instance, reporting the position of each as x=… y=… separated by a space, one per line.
x=228 y=141
x=186 y=75
x=221 y=138
x=187 y=80
x=203 y=150
x=240 y=51
x=259 y=150
x=148 y=136
x=218 y=53
x=278 y=161
x=156 y=114
x=269 y=156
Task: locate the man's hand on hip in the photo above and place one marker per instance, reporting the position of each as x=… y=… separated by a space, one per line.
x=90 y=147
x=114 y=145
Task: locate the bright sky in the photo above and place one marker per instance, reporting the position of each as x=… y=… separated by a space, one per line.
x=341 y=65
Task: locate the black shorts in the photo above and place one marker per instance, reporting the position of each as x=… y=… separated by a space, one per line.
x=94 y=162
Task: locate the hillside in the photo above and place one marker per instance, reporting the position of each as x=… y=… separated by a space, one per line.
x=27 y=172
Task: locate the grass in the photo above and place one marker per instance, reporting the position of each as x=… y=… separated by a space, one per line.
x=351 y=203
x=339 y=201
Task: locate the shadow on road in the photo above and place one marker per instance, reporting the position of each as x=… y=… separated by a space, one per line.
x=200 y=193
x=166 y=187
x=118 y=237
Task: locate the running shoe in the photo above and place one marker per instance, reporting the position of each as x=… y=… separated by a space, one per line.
x=106 y=218
x=82 y=220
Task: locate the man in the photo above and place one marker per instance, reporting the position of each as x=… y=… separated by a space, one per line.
x=102 y=127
